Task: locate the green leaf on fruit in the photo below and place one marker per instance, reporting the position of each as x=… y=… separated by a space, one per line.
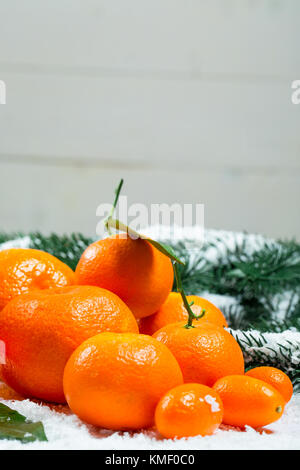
x=162 y=247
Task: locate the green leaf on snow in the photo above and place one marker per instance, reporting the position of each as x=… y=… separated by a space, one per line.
x=13 y=425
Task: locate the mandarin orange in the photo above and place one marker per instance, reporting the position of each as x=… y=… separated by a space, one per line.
x=205 y=352
x=189 y=410
x=133 y=269
x=116 y=380
x=23 y=270
x=41 y=329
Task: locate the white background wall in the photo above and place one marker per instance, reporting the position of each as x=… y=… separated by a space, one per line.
x=188 y=100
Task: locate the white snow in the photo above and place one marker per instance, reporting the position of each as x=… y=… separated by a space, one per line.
x=275 y=344
x=66 y=431
x=214 y=405
x=22 y=242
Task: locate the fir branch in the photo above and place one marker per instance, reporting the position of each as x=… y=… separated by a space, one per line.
x=257 y=279
x=66 y=248
x=257 y=351
x=273 y=268
x=5 y=237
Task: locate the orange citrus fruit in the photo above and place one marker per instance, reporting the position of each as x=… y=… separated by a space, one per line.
x=133 y=269
x=205 y=353
x=116 y=380
x=189 y=410
x=23 y=270
x=41 y=329
x=274 y=377
x=173 y=310
x=249 y=401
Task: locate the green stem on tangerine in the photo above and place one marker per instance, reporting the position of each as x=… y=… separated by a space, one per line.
x=187 y=305
x=117 y=194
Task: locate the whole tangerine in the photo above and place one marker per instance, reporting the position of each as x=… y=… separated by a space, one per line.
x=204 y=352
x=189 y=410
x=41 y=330
x=24 y=270
x=135 y=270
x=115 y=380
x=249 y=401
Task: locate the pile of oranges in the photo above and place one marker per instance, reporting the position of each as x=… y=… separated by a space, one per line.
x=113 y=341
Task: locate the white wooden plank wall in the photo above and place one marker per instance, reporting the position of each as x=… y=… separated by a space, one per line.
x=189 y=100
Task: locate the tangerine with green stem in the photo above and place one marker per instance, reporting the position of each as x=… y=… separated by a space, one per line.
x=204 y=351
x=134 y=269
x=173 y=310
